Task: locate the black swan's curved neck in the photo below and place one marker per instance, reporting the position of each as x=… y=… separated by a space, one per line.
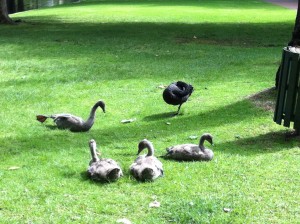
x=150 y=149
x=146 y=144
x=201 y=143
x=91 y=119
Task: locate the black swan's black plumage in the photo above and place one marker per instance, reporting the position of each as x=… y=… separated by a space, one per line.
x=177 y=93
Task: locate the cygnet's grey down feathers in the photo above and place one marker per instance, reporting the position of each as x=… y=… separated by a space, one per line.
x=101 y=169
x=192 y=152
x=146 y=167
x=74 y=123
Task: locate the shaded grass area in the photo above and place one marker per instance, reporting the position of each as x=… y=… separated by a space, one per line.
x=66 y=58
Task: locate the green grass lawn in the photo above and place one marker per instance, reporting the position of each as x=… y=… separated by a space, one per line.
x=65 y=58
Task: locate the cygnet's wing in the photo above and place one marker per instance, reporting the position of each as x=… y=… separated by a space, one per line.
x=185 y=148
x=183 y=152
x=100 y=169
x=135 y=166
x=112 y=163
x=154 y=163
x=67 y=121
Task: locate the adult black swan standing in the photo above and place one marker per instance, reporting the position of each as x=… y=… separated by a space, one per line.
x=74 y=123
x=177 y=93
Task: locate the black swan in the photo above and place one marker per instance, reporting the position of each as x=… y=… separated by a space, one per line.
x=177 y=93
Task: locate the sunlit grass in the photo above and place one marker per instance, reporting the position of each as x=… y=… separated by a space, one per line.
x=64 y=59
x=165 y=12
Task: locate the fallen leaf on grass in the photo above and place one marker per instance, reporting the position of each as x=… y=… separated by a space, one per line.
x=14 y=168
x=162 y=86
x=168 y=123
x=124 y=221
x=191 y=203
x=193 y=137
x=154 y=204
x=226 y=209
x=128 y=120
x=75 y=218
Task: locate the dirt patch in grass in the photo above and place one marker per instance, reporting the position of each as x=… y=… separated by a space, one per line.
x=209 y=41
x=212 y=41
x=265 y=99
x=194 y=39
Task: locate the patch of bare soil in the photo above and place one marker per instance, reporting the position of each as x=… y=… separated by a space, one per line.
x=194 y=39
x=265 y=99
x=211 y=41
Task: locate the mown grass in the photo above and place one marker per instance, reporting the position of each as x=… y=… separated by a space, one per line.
x=64 y=59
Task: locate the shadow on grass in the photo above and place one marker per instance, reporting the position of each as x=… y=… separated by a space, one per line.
x=265 y=99
x=156 y=130
x=243 y=35
x=85 y=177
x=51 y=127
x=160 y=116
x=264 y=143
x=216 y=4
x=126 y=174
x=139 y=42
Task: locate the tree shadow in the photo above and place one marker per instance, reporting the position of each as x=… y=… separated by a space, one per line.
x=91 y=35
x=119 y=136
x=265 y=99
x=217 y=4
x=264 y=143
x=208 y=33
